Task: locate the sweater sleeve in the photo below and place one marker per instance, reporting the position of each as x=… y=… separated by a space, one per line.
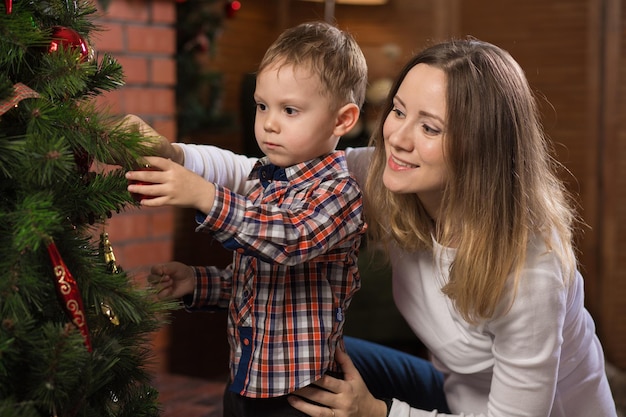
x=231 y=170
x=402 y=409
x=358 y=163
x=218 y=165
x=527 y=346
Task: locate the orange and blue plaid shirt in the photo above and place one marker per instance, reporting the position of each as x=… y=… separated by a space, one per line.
x=296 y=237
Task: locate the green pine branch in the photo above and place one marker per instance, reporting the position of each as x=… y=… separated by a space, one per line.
x=49 y=194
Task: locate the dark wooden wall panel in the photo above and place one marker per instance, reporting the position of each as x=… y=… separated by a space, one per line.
x=613 y=168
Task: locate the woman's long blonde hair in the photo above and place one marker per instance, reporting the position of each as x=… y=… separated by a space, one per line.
x=502 y=185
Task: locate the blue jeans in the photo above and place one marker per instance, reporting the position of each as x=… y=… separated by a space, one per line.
x=390 y=373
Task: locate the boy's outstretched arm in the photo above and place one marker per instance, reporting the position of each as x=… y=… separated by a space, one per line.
x=214 y=164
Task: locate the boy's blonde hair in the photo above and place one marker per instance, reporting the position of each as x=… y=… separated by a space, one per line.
x=328 y=52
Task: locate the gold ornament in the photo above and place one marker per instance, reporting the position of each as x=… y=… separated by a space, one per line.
x=109 y=313
x=106 y=249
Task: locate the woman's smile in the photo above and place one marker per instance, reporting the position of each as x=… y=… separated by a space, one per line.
x=399 y=165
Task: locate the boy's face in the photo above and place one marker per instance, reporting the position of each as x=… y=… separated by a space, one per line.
x=294 y=121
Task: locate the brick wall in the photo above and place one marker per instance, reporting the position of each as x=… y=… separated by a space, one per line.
x=140 y=34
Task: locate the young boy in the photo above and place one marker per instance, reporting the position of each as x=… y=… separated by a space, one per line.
x=296 y=231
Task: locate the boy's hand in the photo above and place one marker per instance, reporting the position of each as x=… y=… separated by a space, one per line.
x=172 y=280
x=160 y=144
x=172 y=185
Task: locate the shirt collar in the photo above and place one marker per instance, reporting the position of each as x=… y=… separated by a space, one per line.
x=322 y=166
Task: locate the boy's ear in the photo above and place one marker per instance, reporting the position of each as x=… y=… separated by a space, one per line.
x=347 y=117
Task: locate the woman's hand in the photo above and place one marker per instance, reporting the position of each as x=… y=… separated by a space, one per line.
x=343 y=398
x=167 y=183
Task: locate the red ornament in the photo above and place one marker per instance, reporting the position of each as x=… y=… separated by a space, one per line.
x=137 y=196
x=8 y=4
x=231 y=8
x=63 y=37
x=67 y=290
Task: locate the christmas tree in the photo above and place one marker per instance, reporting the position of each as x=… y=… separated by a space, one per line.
x=74 y=329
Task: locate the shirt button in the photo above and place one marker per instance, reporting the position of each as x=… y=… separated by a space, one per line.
x=246 y=341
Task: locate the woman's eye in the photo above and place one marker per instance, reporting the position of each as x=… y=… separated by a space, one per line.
x=397 y=112
x=430 y=130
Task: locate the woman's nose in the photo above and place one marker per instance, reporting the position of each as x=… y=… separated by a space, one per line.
x=400 y=137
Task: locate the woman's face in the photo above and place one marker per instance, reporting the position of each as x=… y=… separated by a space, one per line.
x=413 y=134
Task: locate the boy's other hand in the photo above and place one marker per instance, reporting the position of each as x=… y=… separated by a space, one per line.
x=172 y=280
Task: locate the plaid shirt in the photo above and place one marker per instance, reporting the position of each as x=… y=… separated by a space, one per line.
x=296 y=237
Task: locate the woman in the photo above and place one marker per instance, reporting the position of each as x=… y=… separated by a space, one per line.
x=462 y=191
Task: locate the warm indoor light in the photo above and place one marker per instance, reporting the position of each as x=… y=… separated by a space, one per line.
x=356 y=2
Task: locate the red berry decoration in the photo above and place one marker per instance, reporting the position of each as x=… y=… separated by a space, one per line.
x=8 y=5
x=67 y=38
